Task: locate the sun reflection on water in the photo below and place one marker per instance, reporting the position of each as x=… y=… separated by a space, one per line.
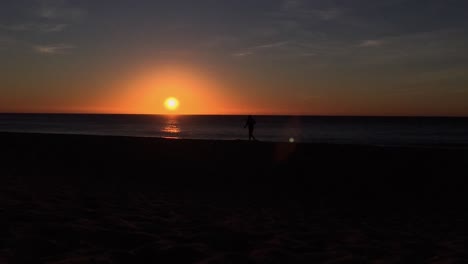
x=172 y=128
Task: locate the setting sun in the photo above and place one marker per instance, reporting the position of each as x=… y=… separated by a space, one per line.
x=171 y=103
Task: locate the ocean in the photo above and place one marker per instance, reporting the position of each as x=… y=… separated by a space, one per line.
x=401 y=131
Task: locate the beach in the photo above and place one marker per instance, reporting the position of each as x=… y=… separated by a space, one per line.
x=115 y=199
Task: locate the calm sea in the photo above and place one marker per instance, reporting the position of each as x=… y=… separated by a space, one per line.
x=347 y=130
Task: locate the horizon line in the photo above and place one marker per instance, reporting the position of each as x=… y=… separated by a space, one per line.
x=232 y=114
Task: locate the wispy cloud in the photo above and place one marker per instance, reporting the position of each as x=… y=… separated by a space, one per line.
x=291 y=4
x=252 y=50
x=242 y=54
x=219 y=41
x=303 y=9
x=295 y=49
x=421 y=48
x=16 y=27
x=307 y=54
x=53 y=28
x=371 y=43
x=270 y=45
x=59 y=9
x=48 y=16
x=35 y=27
x=328 y=14
x=300 y=21
x=53 y=49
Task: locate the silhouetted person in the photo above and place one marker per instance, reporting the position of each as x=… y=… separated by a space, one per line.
x=250 y=123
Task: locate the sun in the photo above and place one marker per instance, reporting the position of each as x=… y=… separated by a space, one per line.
x=171 y=103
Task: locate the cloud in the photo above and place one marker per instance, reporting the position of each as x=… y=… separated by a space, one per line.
x=291 y=4
x=302 y=9
x=242 y=54
x=420 y=49
x=252 y=50
x=57 y=9
x=48 y=16
x=53 y=27
x=219 y=41
x=16 y=27
x=293 y=49
x=270 y=45
x=300 y=21
x=61 y=13
x=53 y=49
x=47 y=28
x=328 y=14
x=308 y=54
x=371 y=43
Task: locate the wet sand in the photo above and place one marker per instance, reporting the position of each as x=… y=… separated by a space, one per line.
x=101 y=199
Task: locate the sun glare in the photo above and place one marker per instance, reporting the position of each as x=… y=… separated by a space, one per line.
x=171 y=103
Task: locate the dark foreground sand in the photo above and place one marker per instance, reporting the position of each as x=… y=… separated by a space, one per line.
x=92 y=199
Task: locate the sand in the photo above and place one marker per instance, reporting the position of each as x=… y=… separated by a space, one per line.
x=101 y=199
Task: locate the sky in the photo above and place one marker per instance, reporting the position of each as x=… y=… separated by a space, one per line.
x=298 y=57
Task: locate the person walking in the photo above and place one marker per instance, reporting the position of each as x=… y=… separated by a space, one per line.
x=250 y=123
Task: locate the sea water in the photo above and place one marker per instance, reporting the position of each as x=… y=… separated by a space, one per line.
x=310 y=129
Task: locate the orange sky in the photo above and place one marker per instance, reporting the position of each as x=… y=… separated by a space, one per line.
x=235 y=57
x=196 y=91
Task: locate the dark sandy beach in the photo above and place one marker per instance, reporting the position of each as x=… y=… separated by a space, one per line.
x=98 y=199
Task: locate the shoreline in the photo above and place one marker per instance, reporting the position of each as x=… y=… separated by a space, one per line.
x=375 y=145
